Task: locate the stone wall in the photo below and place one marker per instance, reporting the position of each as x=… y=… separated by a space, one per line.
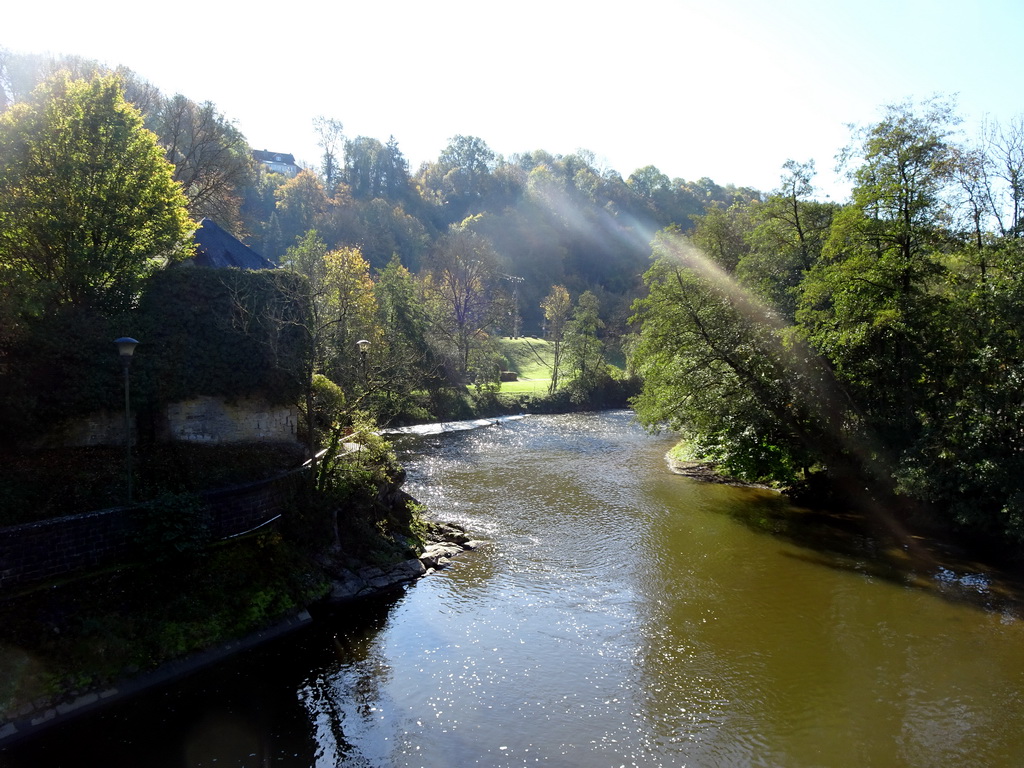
x=202 y=419
x=63 y=546
x=212 y=420
x=99 y=428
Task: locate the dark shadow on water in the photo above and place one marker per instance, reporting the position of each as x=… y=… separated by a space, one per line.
x=864 y=544
x=246 y=711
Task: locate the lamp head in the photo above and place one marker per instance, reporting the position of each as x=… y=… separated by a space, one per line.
x=125 y=346
x=363 y=345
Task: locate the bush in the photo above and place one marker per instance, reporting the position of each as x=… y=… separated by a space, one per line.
x=172 y=525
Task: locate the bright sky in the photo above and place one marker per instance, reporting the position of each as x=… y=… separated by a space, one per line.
x=728 y=89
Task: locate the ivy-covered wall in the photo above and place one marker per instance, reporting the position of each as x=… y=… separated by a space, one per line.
x=223 y=332
x=229 y=334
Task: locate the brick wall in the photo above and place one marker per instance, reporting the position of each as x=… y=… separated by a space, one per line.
x=65 y=546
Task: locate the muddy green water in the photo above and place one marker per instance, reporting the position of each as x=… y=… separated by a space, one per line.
x=619 y=615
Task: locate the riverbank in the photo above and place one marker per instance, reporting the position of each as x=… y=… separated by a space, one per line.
x=707 y=473
x=445 y=541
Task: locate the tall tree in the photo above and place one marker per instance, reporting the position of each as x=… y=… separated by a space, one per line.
x=403 y=360
x=303 y=204
x=1005 y=150
x=716 y=366
x=88 y=204
x=584 y=350
x=459 y=282
x=350 y=302
x=721 y=234
x=556 y=306
x=868 y=306
x=212 y=160
x=788 y=234
x=459 y=181
x=330 y=138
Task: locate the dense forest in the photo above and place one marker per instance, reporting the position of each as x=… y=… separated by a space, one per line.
x=874 y=341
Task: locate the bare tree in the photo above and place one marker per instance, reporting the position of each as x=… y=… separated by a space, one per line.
x=211 y=158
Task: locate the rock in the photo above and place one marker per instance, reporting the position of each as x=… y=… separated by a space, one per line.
x=434 y=554
x=446 y=541
x=347 y=585
x=446 y=532
x=407 y=570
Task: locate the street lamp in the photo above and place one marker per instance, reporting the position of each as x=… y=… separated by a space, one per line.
x=125 y=347
x=363 y=345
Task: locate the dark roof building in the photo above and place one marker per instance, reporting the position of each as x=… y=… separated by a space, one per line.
x=218 y=248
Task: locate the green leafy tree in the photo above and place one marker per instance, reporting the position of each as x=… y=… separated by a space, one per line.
x=88 y=204
x=459 y=182
x=869 y=305
x=403 y=360
x=787 y=238
x=721 y=234
x=716 y=366
x=584 y=351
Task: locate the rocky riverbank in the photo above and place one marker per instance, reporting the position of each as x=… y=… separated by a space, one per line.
x=444 y=541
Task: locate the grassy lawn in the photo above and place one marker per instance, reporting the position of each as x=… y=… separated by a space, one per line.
x=530 y=358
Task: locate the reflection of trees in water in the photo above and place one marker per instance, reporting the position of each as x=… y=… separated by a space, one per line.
x=343 y=696
x=858 y=541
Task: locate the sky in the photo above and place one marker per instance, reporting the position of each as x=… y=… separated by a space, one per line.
x=724 y=89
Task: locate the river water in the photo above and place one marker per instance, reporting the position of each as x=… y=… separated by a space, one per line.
x=618 y=615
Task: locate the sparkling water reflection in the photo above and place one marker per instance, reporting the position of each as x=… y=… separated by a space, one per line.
x=618 y=616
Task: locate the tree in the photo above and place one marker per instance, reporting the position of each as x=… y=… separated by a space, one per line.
x=583 y=349
x=303 y=204
x=556 y=306
x=330 y=135
x=459 y=285
x=715 y=366
x=721 y=234
x=363 y=167
x=404 y=362
x=350 y=305
x=869 y=305
x=1005 y=150
x=648 y=182
x=788 y=235
x=88 y=204
x=459 y=180
x=316 y=326
x=211 y=158
x=374 y=170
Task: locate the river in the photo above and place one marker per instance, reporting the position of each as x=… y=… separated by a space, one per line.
x=618 y=615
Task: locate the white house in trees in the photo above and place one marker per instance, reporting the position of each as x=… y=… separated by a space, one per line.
x=277 y=162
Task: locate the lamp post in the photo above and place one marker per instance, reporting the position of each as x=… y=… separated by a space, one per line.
x=363 y=345
x=126 y=346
